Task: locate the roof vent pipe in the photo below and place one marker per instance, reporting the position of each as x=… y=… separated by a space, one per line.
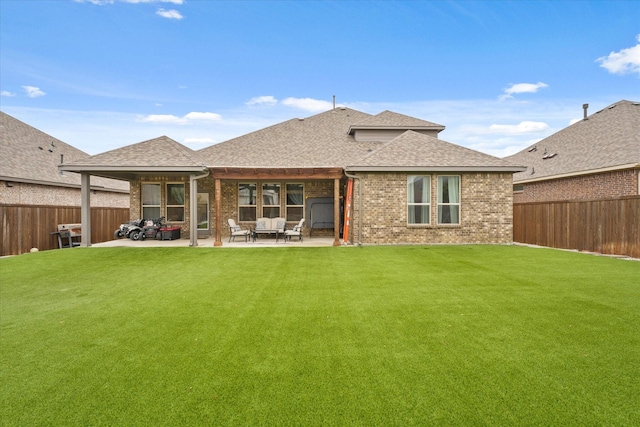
x=584 y=107
x=334 y=102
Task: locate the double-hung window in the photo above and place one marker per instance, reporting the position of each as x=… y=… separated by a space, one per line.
x=295 y=202
x=150 y=201
x=247 y=196
x=175 y=202
x=448 y=200
x=419 y=199
x=271 y=200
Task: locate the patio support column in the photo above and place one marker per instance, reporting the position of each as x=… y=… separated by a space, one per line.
x=218 y=241
x=85 y=209
x=336 y=212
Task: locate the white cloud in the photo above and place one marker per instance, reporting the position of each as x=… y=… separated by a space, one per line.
x=308 y=104
x=522 y=88
x=7 y=93
x=262 y=100
x=33 y=92
x=626 y=61
x=169 y=14
x=519 y=129
x=194 y=116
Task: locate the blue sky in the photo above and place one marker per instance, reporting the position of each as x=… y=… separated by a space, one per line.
x=500 y=75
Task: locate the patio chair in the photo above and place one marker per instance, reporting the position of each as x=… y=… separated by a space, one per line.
x=235 y=230
x=295 y=231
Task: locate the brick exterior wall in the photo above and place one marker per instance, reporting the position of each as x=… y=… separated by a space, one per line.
x=321 y=188
x=136 y=204
x=594 y=186
x=485 y=211
x=229 y=193
x=46 y=195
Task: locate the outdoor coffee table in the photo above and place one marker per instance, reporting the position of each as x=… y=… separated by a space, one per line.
x=255 y=233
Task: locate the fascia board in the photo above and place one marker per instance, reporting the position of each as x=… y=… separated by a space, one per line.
x=139 y=169
x=61 y=184
x=579 y=173
x=436 y=169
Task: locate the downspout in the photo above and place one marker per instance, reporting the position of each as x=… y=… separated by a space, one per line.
x=348 y=175
x=193 y=209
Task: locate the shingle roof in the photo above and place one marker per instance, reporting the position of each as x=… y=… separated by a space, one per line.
x=161 y=152
x=609 y=138
x=30 y=155
x=391 y=120
x=416 y=151
x=317 y=141
x=160 y=155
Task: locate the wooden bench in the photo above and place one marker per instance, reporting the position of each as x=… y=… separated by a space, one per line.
x=68 y=235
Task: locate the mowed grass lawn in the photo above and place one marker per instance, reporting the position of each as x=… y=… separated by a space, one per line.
x=439 y=335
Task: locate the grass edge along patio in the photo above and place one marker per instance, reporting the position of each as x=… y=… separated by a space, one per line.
x=401 y=183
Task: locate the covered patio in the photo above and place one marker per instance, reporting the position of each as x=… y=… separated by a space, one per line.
x=265 y=242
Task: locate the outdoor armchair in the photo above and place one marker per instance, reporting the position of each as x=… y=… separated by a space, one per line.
x=235 y=230
x=295 y=231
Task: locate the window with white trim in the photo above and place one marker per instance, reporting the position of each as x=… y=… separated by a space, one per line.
x=247 y=197
x=448 y=199
x=271 y=200
x=175 y=202
x=151 y=199
x=295 y=202
x=419 y=199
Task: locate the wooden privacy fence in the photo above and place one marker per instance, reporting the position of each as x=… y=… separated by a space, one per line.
x=23 y=227
x=607 y=226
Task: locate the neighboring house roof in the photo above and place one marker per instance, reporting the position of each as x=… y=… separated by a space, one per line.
x=607 y=140
x=390 y=120
x=158 y=155
x=32 y=156
x=413 y=151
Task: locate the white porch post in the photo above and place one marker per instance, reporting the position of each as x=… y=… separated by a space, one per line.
x=85 y=209
x=193 y=211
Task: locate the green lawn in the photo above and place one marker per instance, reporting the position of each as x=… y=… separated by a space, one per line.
x=440 y=335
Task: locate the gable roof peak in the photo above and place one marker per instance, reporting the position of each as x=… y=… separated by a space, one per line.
x=392 y=120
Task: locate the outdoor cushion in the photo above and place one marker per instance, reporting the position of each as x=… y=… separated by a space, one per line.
x=261 y=225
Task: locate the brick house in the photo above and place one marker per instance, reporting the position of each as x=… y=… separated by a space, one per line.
x=29 y=172
x=408 y=186
x=595 y=158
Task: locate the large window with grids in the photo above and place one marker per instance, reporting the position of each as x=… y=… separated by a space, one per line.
x=448 y=200
x=271 y=200
x=175 y=202
x=419 y=199
x=247 y=198
x=295 y=202
x=151 y=200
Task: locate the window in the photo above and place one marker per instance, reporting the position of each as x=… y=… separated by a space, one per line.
x=448 y=200
x=419 y=199
x=295 y=202
x=518 y=188
x=175 y=202
x=150 y=201
x=271 y=200
x=247 y=202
